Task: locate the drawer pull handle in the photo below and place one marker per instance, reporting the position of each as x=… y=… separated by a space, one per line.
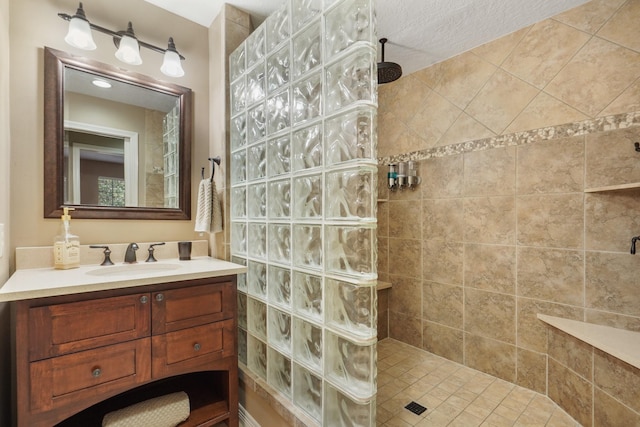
x=159 y=297
x=96 y=372
x=144 y=299
x=196 y=347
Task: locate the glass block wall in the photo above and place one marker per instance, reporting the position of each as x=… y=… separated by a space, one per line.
x=303 y=205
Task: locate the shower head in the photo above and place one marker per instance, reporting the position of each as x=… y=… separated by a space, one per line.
x=388 y=71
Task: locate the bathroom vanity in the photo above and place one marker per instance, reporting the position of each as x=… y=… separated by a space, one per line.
x=93 y=340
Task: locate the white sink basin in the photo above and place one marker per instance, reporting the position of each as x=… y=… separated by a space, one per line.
x=133 y=269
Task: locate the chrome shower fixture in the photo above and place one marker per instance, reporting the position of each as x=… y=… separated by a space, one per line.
x=403 y=175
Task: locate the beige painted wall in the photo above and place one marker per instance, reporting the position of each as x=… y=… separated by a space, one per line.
x=35 y=24
x=4 y=209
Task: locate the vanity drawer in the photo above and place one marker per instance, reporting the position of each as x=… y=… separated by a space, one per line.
x=66 y=328
x=183 y=308
x=88 y=375
x=191 y=349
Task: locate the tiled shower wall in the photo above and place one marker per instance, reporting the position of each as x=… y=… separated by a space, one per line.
x=500 y=228
x=303 y=206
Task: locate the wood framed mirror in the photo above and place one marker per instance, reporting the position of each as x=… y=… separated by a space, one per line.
x=122 y=152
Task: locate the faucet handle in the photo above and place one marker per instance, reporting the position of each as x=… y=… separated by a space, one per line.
x=107 y=253
x=151 y=258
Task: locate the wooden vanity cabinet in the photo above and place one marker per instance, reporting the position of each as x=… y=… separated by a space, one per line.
x=94 y=352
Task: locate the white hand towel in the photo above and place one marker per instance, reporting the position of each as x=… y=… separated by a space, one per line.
x=216 y=210
x=164 y=411
x=203 y=213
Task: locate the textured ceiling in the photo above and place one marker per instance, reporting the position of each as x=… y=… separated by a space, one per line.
x=420 y=32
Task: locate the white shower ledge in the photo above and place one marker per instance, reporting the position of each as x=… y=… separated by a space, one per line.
x=620 y=343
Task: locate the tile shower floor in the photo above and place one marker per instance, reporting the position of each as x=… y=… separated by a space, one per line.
x=453 y=394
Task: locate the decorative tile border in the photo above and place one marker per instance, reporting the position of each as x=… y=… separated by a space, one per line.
x=600 y=124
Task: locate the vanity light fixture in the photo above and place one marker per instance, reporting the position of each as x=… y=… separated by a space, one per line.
x=128 y=45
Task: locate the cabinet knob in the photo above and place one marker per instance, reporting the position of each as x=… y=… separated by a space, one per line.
x=159 y=297
x=96 y=372
x=196 y=347
x=144 y=299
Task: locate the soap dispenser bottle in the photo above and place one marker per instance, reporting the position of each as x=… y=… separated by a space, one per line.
x=66 y=246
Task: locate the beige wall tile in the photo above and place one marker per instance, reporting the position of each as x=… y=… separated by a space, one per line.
x=433 y=118
x=406 y=296
x=405 y=328
x=611 y=158
x=611 y=219
x=617 y=378
x=500 y=101
x=490 y=268
x=429 y=76
x=608 y=411
x=442 y=304
x=443 y=219
x=443 y=341
x=544 y=111
x=591 y=15
x=571 y=352
x=551 y=167
x=442 y=177
x=442 y=261
x=383 y=189
x=532 y=333
x=532 y=370
x=551 y=220
x=496 y=51
x=571 y=392
x=405 y=257
x=551 y=274
x=405 y=219
x=462 y=78
x=629 y=100
x=546 y=48
x=622 y=28
x=612 y=283
x=490 y=172
x=492 y=357
x=490 y=220
x=383 y=324
x=383 y=299
x=595 y=76
x=383 y=219
x=383 y=255
x=631 y=323
x=490 y=314
x=465 y=128
x=395 y=137
x=410 y=95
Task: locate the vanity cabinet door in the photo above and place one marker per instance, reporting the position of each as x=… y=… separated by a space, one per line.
x=83 y=378
x=192 y=349
x=187 y=307
x=60 y=329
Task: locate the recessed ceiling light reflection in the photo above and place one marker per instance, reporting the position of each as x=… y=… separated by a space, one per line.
x=101 y=83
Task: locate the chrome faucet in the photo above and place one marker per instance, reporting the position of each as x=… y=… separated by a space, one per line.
x=130 y=255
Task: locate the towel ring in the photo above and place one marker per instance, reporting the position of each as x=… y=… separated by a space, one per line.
x=213 y=161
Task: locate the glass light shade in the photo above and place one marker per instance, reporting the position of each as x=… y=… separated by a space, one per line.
x=129 y=51
x=171 y=65
x=79 y=34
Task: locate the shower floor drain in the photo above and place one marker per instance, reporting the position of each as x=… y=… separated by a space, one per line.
x=416 y=408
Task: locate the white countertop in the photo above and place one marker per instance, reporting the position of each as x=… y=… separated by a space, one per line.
x=620 y=343
x=45 y=282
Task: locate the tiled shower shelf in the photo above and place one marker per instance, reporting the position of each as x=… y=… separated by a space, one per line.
x=613 y=187
x=620 y=343
x=382 y=285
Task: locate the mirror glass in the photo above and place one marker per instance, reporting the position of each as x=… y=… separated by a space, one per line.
x=117 y=143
